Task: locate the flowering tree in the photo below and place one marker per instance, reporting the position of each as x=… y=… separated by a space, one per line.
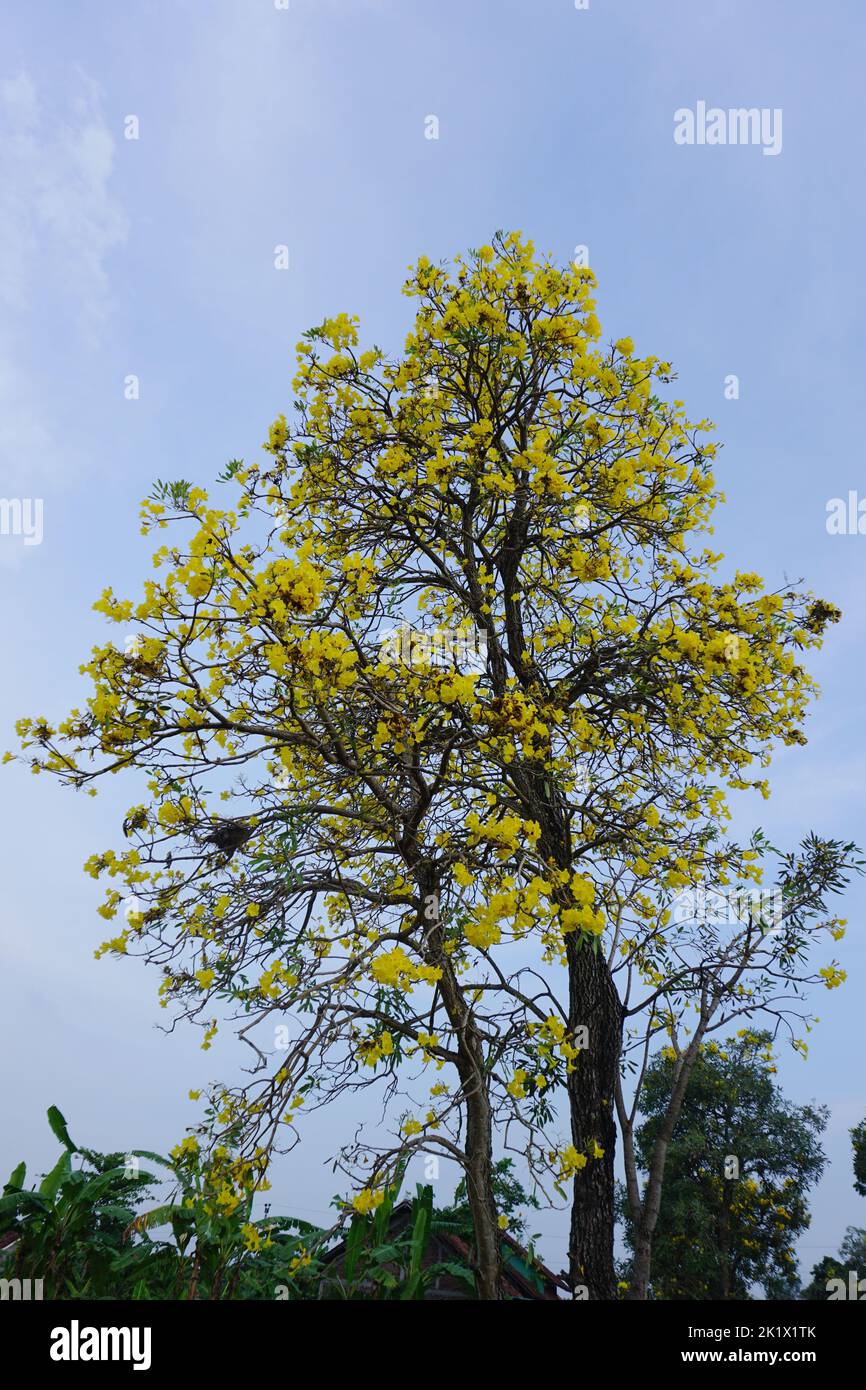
x=404 y=833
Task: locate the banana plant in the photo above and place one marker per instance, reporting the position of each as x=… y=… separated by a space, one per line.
x=70 y=1228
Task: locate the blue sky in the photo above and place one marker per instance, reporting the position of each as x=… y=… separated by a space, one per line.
x=305 y=127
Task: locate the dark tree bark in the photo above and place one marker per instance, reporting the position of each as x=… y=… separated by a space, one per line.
x=593 y=1003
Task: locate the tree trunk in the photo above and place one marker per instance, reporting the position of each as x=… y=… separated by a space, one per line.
x=642 y=1253
x=641 y=1264
x=487 y=1258
x=645 y=1216
x=644 y=1227
x=474 y=1083
x=593 y=1003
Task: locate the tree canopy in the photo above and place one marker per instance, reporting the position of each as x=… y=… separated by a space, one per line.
x=387 y=858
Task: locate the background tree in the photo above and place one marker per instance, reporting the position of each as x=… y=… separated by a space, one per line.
x=692 y=965
x=851 y=1260
x=858 y=1140
x=739 y=1164
x=397 y=824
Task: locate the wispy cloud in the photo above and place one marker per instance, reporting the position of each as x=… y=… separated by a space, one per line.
x=59 y=222
x=59 y=219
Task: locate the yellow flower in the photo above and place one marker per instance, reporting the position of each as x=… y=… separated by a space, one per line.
x=395 y=968
x=570 y=1162
x=832 y=976
x=366 y=1201
x=252 y=1238
x=187 y=1148
x=277 y=435
x=517 y=1087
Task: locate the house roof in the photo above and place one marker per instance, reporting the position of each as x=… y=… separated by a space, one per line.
x=514 y=1281
x=518 y=1264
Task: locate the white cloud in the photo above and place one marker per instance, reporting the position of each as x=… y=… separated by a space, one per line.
x=58 y=217
x=59 y=222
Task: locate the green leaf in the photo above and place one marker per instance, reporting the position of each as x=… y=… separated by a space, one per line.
x=232 y=467
x=288 y=1223
x=420 y=1229
x=457 y=1271
x=117 y=1212
x=19 y=1203
x=169 y=1212
x=156 y=1158
x=385 y=1254
x=53 y=1181
x=16 y=1178
x=58 y=1126
x=355 y=1242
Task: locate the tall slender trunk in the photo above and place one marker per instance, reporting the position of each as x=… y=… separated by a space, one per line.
x=475 y=1086
x=641 y=1264
x=593 y=1002
x=641 y=1237
x=478 y=1166
x=487 y=1256
x=645 y=1209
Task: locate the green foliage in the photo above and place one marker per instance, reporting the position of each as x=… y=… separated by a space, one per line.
x=379 y=1262
x=86 y=1232
x=852 y=1256
x=511 y=1200
x=71 y=1228
x=174 y=493
x=232 y=468
x=858 y=1139
x=852 y=1251
x=389 y=1264
x=719 y=1236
